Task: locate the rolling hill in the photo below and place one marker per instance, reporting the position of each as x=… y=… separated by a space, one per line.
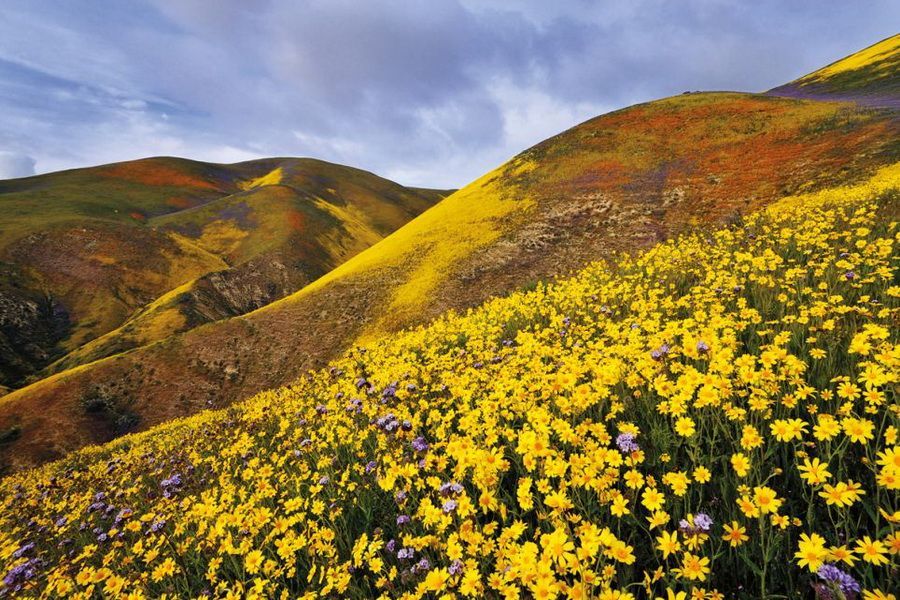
x=132 y=252
x=868 y=77
x=617 y=183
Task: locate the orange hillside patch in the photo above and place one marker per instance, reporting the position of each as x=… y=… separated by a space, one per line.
x=180 y=202
x=296 y=220
x=153 y=173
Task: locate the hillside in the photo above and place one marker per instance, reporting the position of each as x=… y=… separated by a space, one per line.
x=619 y=182
x=559 y=442
x=84 y=252
x=77 y=257
x=868 y=77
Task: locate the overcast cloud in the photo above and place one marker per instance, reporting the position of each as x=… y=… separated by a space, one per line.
x=433 y=92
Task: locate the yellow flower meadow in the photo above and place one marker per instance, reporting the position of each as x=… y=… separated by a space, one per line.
x=714 y=417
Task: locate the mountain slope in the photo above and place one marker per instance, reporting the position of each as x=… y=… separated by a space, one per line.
x=616 y=183
x=868 y=77
x=715 y=416
x=83 y=250
x=77 y=257
x=287 y=228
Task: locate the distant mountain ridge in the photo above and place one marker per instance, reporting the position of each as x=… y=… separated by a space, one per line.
x=92 y=257
x=616 y=183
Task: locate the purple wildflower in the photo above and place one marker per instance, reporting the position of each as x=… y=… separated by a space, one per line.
x=23 y=550
x=700 y=523
x=419 y=444
x=371 y=466
x=703 y=522
x=405 y=553
x=450 y=488
x=173 y=481
x=171 y=486
x=18 y=575
x=660 y=352
x=456 y=567
x=844 y=581
x=402 y=520
x=123 y=514
x=449 y=506
x=626 y=443
x=157 y=526
x=388 y=423
x=702 y=346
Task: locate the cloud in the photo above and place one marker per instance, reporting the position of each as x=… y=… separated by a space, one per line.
x=14 y=165
x=431 y=93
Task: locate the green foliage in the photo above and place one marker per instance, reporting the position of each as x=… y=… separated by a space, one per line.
x=10 y=434
x=106 y=404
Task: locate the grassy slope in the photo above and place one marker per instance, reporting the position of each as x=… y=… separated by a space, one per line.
x=284 y=229
x=618 y=182
x=695 y=348
x=868 y=76
x=105 y=241
x=121 y=192
x=80 y=236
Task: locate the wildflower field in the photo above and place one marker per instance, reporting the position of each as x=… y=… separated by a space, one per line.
x=712 y=418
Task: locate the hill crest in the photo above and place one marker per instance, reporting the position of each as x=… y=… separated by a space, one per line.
x=868 y=77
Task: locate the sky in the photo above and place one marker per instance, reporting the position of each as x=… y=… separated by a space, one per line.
x=429 y=93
